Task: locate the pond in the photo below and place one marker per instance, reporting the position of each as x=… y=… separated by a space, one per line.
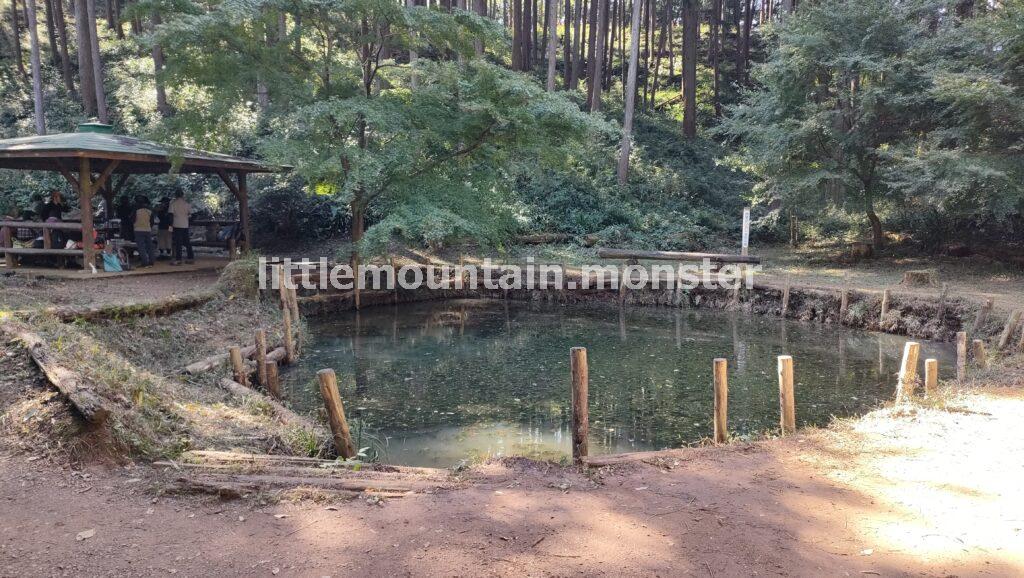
x=435 y=383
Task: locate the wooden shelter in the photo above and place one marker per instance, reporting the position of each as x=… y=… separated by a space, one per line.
x=92 y=157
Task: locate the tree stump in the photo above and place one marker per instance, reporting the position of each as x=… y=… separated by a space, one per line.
x=921 y=278
x=861 y=250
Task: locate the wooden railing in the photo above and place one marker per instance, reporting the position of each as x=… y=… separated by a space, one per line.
x=8 y=228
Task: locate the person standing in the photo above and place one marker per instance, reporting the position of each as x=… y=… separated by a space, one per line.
x=180 y=210
x=164 y=221
x=143 y=228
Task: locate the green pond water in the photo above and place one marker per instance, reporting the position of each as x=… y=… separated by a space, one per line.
x=436 y=383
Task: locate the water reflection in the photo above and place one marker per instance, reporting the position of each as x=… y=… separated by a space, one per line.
x=434 y=383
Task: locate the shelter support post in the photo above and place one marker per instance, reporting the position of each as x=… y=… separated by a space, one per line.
x=85 y=202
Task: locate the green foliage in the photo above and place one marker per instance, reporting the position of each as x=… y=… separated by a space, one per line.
x=898 y=105
x=426 y=163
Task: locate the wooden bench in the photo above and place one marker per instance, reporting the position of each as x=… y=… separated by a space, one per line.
x=212 y=229
x=11 y=252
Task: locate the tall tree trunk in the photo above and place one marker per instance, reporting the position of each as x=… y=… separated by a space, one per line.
x=715 y=52
x=546 y=28
x=877 y=236
x=413 y=55
x=591 y=49
x=517 y=35
x=84 y=49
x=743 y=40
x=598 y=74
x=37 y=81
x=97 y=63
x=567 y=36
x=16 y=28
x=627 y=121
x=657 y=59
x=118 y=29
x=609 y=55
x=577 y=43
x=158 y=68
x=691 y=31
x=51 y=34
x=552 y=43
x=670 y=16
x=480 y=7
x=60 y=23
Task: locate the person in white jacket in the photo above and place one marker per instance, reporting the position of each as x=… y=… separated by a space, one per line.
x=180 y=210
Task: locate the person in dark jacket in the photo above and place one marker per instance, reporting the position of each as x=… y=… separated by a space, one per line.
x=163 y=228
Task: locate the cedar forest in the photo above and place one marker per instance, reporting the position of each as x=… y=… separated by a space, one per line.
x=647 y=123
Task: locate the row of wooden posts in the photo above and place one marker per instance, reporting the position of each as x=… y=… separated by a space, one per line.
x=267 y=362
x=906 y=384
x=580 y=377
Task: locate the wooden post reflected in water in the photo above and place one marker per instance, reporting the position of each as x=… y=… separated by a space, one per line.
x=580 y=403
x=721 y=417
x=787 y=404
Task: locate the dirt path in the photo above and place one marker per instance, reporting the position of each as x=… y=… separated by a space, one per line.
x=18 y=292
x=930 y=492
x=974 y=277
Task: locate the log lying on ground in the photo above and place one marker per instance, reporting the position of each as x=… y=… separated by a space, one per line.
x=209 y=363
x=543 y=238
x=282 y=413
x=215 y=457
x=94 y=408
x=676 y=256
x=167 y=306
x=353 y=484
x=617 y=459
x=922 y=278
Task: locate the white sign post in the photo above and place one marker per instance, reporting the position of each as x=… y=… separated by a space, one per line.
x=746 y=231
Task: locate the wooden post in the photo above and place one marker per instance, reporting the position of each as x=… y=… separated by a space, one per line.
x=238 y=365
x=908 y=371
x=980 y=357
x=7 y=241
x=85 y=202
x=1008 y=331
x=580 y=403
x=982 y=316
x=261 y=357
x=885 y=307
x=394 y=269
x=961 y=355
x=356 y=278
x=243 y=211
x=721 y=418
x=931 y=376
x=844 y=305
x=787 y=403
x=293 y=302
x=289 y=343
x=623 y=271
x=273 y=379
x=282 y=286
x=336 y=413
x=785 y=298
x=942 y=301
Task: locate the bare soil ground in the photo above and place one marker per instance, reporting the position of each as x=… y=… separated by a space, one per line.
x=931 y=491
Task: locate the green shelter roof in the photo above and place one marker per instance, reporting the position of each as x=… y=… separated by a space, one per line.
x=135 y=156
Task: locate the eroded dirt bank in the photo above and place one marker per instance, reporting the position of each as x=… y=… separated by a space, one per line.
x=919 y=491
